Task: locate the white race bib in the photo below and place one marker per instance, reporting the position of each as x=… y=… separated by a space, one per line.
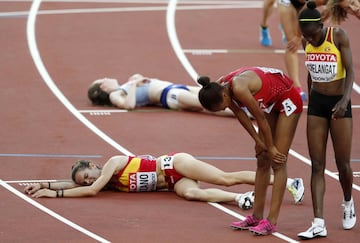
x=289 y=107
x=167 y=162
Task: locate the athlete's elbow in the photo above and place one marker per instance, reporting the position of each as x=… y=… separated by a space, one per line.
x=128 y=107
x=122 y=104
x=92 y=192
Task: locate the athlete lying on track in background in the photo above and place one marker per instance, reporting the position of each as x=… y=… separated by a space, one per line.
x=179 y=172
x=140 y=91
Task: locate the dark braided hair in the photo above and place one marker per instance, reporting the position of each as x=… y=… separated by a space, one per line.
x=98 y=96
x=210 y=94
x=310 y=14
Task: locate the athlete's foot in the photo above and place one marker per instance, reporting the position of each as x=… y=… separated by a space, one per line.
x=265 y=38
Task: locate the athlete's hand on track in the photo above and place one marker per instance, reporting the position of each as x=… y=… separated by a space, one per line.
x=32 y=188
x=44 y=193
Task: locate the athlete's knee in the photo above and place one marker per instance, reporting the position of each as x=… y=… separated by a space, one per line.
x=317 y=166
x=278 y=166
x=263 y=161
x=344 y=168
x=192 y=194
x=227 y=179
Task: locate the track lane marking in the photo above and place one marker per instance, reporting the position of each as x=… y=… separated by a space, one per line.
x=52 y=213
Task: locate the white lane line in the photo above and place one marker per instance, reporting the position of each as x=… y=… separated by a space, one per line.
x=100 y=110
x=52 y=213
x=52 y=86
x=128 y=9
x=30 y=31
x=356 y=87
x=82 y=156
x=174 y=40
x=26 y=182
x=236 y=2
x=208 y=52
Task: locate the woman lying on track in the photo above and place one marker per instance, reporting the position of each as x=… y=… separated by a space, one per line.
x=140 y=91
x=179 y=172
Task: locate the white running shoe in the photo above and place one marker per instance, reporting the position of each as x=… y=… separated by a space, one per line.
x=246 y=200
x=349 y=219
x=297 y=190
x=314 y=231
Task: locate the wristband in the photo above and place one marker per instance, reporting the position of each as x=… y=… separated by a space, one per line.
x=58 y=194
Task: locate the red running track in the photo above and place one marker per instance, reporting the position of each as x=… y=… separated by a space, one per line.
x=41 y=137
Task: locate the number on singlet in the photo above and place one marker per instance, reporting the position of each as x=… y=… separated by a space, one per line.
x=289 y=107
x=167 y=162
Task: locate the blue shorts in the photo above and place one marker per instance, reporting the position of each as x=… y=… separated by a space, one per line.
x=164 y=94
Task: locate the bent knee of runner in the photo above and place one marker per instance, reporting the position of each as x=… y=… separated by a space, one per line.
x=226 y=179
x=193 y=194
x=278 y=166
x=263 y=161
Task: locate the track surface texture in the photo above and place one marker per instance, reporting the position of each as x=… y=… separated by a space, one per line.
x=53 y=50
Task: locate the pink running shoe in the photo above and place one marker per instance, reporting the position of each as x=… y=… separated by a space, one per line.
x=263 y=228
x=245 y=224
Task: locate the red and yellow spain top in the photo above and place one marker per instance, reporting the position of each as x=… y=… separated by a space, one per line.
x=138 y=175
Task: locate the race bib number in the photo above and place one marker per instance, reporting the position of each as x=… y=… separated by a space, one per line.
x=289 y=107
x=323 y=67
x=167 y=163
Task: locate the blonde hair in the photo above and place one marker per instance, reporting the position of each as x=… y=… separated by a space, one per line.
x=334 y=12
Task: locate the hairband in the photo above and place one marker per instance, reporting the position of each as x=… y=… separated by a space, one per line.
x=310 y=20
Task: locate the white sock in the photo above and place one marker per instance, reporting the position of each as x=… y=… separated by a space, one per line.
x=348 y=203
x=237 y=198
x=289 y=181
x=319 y=221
